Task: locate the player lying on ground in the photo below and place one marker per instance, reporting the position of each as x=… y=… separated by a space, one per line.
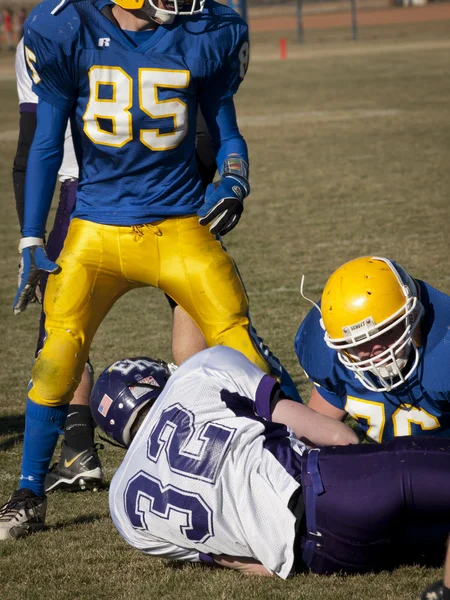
x=79 y=466
x=130 y=76
x=212 y=475
x=378 y=348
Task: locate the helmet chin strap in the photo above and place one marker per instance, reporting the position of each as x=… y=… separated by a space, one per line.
x=160 y=17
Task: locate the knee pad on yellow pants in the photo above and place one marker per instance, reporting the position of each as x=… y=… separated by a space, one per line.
x=58 y=369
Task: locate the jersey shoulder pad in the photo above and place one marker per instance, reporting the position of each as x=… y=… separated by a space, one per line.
x=224 y=26
x=50 y=44
x=60 y=28
x=27 y=98
x=436 y=305
x=227 y=14
x=316 y=359
x=223 y=368
x=435 y=334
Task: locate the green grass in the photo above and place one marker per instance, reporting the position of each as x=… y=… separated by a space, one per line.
x=350 y=152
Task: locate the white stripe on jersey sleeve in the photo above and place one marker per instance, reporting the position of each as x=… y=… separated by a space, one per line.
x=24 y=83
x=69 y=167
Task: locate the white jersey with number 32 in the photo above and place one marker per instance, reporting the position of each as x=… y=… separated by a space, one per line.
x=208 y=472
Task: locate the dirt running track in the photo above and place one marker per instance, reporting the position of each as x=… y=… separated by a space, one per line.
x=387 y=16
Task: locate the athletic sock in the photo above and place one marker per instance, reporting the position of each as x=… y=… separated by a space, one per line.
x=79 y=429
x=43 y=425
x=446 y=593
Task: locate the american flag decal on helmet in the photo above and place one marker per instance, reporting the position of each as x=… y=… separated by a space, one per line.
x=105 y=405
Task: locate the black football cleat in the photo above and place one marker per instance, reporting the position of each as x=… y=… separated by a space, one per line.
x=76 y=471
x=434 y=591
x=24 y=513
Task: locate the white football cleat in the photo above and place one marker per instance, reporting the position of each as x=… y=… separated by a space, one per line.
x=24 y=513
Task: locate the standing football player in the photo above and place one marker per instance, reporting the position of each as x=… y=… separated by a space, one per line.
x=79 y=466
x=130 y=75
x=378 y=348
x=213 y=474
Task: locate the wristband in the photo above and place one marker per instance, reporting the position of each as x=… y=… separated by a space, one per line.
x=235 y=166
x=26 y=242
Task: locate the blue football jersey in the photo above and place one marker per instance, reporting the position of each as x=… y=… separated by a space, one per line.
x=419 y=407
x=134 y=106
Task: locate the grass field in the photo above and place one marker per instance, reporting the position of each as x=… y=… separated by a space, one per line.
x=350 y=147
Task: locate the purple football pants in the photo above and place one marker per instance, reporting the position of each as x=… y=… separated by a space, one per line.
x=362 y=503
x=56 y=239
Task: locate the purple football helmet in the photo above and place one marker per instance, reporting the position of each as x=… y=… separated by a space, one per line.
x=122 y=390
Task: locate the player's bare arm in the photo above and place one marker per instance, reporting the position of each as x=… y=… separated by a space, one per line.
x=311 y=427
x=320 y=405
x=249 y=566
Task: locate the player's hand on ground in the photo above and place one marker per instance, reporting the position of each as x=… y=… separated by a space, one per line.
x=33 y=263
x=224 y=203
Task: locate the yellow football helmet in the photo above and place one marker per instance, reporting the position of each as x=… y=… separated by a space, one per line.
x=362 y=301
x=163 y=11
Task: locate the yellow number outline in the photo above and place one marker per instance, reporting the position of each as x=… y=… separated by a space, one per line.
x=410 y=421
x=369 y=418
x=93 y=97
x=30 y=57
x=157 y=101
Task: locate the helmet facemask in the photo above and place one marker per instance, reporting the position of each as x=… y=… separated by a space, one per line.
x=388 y=365
x=381 y=299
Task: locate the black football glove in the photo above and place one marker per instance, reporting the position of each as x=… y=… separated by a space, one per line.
x=434 y=592
x=224 y=204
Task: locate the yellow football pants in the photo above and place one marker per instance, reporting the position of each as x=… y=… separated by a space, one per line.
x=100 y=263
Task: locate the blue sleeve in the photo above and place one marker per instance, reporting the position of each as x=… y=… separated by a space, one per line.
x=319 y=362
x=220 y=117
x=44 y=161
x=217 y=104
x=51 y=67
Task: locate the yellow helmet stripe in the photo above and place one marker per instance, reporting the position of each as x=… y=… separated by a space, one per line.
x=130 y=4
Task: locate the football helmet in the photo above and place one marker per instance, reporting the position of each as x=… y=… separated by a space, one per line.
x=362 y=301
x=163 y=11
x=122 y=390
x=163 y=15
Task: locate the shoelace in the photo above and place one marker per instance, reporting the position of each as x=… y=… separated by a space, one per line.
x=137 y=230
x=12 y=505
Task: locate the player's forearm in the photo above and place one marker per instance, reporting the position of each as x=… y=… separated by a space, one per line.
x=27 y=128
x=248 y=566
x=44 y=161
x=220 y=117
x=311 y=427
